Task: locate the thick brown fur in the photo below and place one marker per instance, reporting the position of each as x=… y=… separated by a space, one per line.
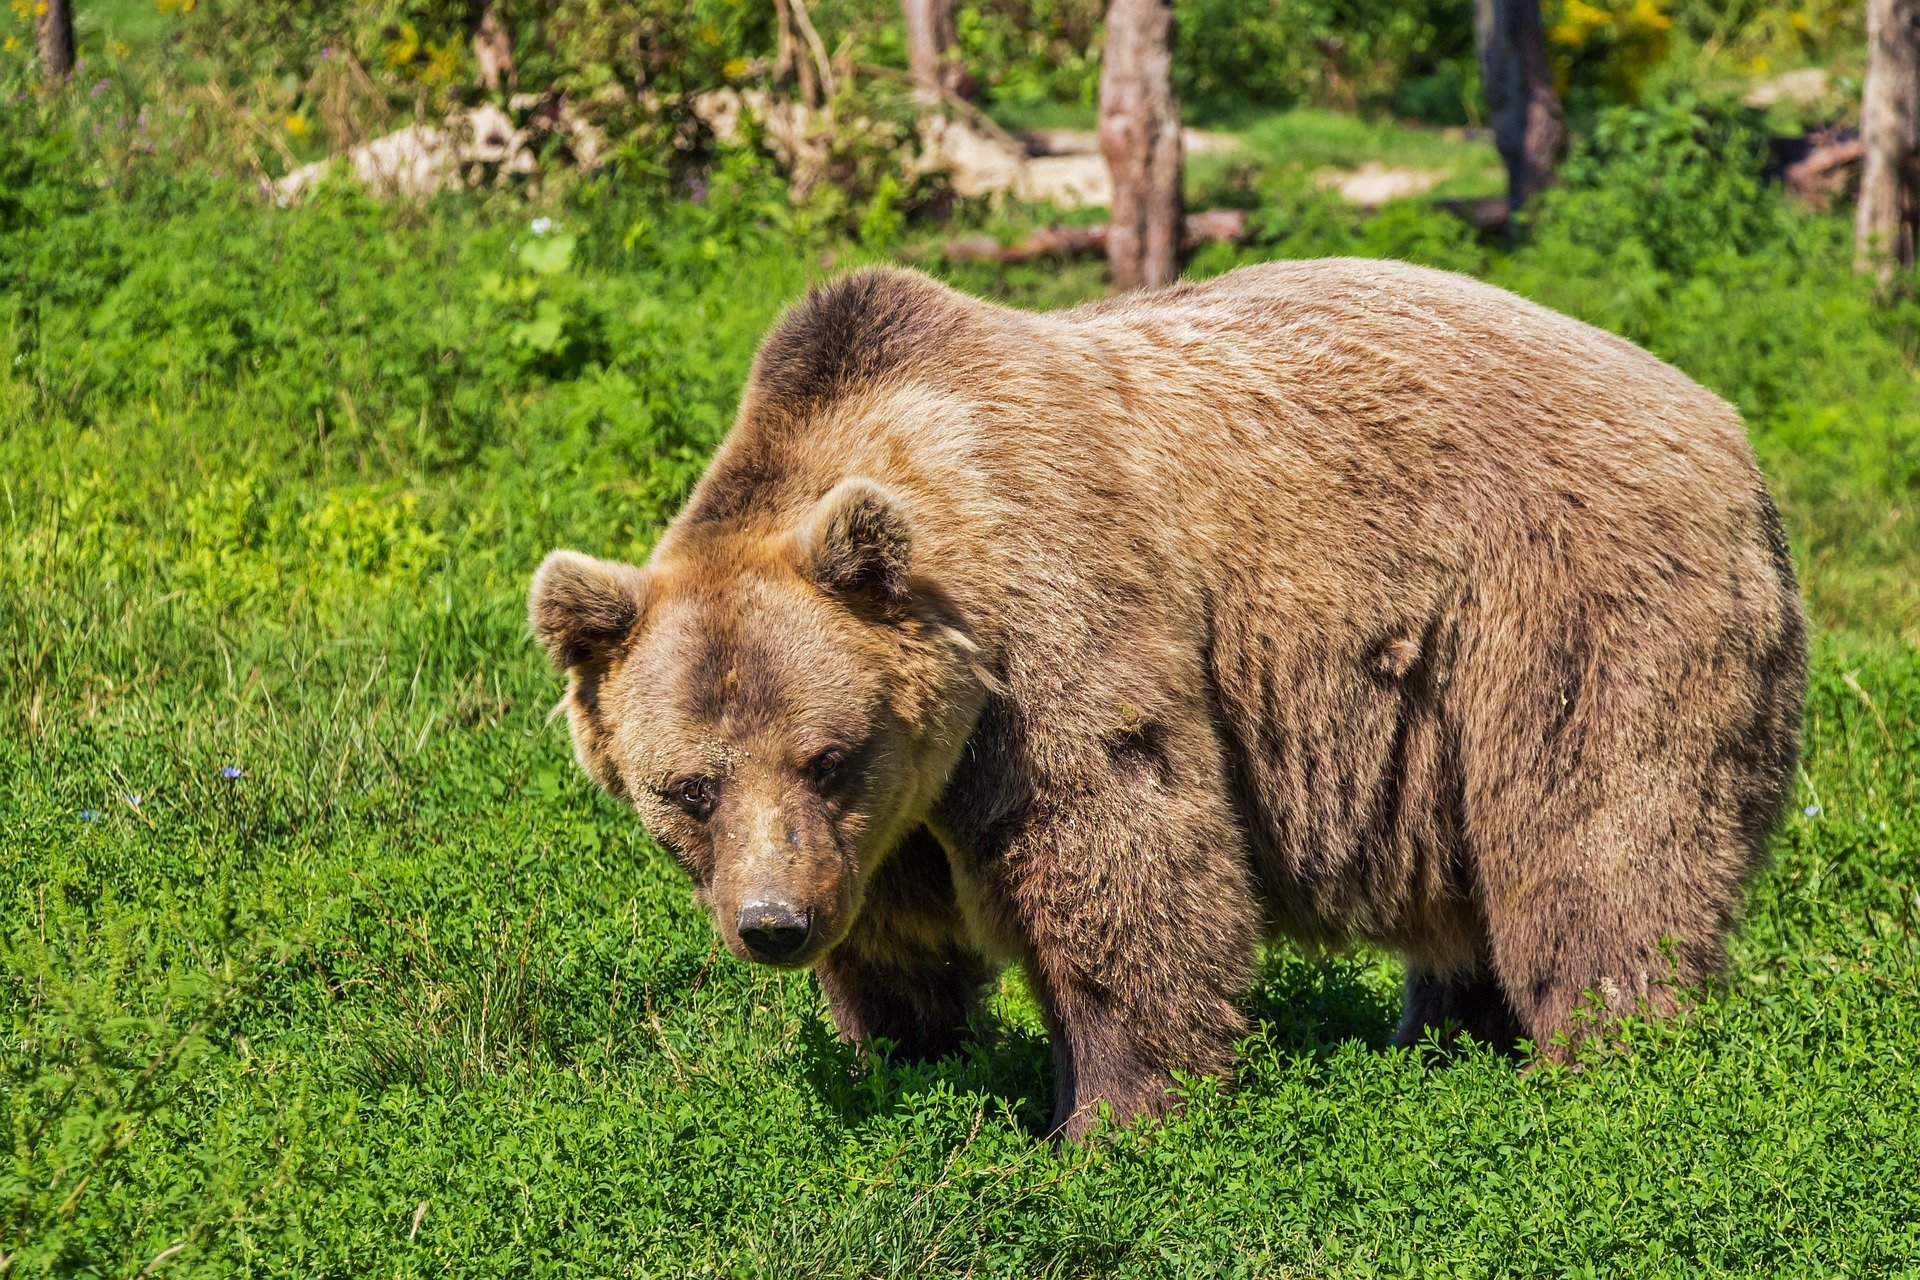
x=1340 y=599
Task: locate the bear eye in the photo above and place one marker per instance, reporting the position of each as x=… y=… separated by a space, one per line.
x=825 y=767
x=695 y=795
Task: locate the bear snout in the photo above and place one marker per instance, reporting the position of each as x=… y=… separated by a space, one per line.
x=774 y=931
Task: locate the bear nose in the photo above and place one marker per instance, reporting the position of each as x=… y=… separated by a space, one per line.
x=773 y=930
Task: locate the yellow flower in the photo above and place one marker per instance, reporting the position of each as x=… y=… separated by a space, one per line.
x=443 y=63
x=10 y=43
x=400 y=52
x=1611 y=43
x=297 y=125
x=1648 y=16
x=734 y=68
x=23 y=8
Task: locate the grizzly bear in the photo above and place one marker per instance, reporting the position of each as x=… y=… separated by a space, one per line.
x=1339 y=600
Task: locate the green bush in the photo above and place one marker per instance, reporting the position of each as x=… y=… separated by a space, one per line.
x=1349 y=54
x=1678 y=180
x=1370 y=54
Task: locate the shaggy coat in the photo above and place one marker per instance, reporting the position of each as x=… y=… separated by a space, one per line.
x=1340 y=599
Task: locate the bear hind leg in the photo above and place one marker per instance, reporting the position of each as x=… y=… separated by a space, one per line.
x=1611 y=837
x=1578 y=949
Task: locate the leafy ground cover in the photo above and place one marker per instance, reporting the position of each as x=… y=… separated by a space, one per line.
x=318 y=956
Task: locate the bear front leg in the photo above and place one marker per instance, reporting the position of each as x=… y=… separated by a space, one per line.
x=1140 y=939
x=1451 y=1003
x=906 y=973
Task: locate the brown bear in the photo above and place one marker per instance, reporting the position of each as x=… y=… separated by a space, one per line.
x=1340 y=600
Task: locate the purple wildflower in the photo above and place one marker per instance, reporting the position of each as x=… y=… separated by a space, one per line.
x=133 y=798
x=1812 y=811
x=230 y=772
x=95 y=91
x=89 y=815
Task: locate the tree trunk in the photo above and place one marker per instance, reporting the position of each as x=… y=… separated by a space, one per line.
x=1527 y=124
x=56 y=41
x=1885 y=227
x=1140 y=138
x=933 y=52
x=493 y=49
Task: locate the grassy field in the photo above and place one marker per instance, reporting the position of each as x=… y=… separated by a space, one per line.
x=319 y=957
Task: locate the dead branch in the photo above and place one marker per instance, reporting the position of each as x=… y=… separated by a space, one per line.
x=951 y=99
x=815 y=45
x=1214 y=226
x=1818 y=178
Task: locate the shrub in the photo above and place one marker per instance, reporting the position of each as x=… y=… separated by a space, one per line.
x=1680 y=180
x=1372 y=54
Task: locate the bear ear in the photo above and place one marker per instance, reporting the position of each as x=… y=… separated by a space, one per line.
x=581 y=607
x=858 y=541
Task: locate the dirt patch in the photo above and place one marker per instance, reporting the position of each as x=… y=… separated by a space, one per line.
x=1063 y=166
x=1374 y=184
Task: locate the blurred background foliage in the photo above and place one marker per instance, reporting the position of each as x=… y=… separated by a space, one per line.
x=117 y=197
x=271 y=82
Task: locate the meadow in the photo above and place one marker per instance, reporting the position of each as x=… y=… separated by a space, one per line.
x=319 y=956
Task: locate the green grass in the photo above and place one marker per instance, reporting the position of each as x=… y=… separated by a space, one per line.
x=1045 y=114
x=1317 y=138
x=141 y=24
x=1302 y=141
x=407 y=996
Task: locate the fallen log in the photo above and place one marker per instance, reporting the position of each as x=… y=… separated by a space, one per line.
x=1823 y=175
x=1214 y=226
x=1484 y=213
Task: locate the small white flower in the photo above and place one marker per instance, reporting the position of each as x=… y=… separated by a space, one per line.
x=541 y=226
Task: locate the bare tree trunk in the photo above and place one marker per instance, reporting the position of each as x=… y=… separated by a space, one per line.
x=1527 y=124
x=1885 y=227
x=493 y=49
x=933 y=52
x=1140 y=138
x=56 y=41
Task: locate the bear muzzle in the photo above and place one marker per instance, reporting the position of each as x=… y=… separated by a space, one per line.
x=774 y=932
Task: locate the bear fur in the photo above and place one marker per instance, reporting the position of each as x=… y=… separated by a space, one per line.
x=1339 y=600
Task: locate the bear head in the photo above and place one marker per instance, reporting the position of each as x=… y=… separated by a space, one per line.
x=779 y=706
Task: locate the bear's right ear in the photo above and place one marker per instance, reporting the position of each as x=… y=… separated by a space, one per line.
x=581 y=607
x=858 y=541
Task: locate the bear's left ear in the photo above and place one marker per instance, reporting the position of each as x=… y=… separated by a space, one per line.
x=858 y=541
x=580 y=607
